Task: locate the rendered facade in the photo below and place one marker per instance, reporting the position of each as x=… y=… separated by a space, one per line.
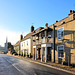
x=26 y=44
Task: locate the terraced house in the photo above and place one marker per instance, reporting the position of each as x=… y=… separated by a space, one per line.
x=43 y=44
x=26 y=44
x=56 y=43
x=17 y=47
x=65 y=39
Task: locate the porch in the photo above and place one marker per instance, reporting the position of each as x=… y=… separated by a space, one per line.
x=42 y=52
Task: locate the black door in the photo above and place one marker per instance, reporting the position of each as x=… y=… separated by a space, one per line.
x=49 y=53
x=39 y=53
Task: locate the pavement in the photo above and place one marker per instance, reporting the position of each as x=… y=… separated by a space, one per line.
x=50 y=65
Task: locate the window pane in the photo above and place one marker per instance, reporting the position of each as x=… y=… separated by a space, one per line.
x=60 y=51
x=60 y=34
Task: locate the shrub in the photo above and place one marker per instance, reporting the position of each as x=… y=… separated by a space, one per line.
x=65 y=63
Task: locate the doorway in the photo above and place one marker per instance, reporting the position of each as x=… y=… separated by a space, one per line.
x=48 y=53
x=39 y=53
x=34 y=53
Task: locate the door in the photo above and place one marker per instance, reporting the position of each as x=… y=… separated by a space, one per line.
x=49 y=54
x=39 y=53
x=34 y=53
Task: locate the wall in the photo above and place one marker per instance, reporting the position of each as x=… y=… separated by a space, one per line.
x=68 y=42
x=26 y=45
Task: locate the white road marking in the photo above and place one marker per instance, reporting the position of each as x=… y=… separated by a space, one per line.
x=13 y=65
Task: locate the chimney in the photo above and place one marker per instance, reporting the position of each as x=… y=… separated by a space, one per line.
x=73 y=11
x=32 y=28
x=21 y=37
x=56 y=21
x=46 y=25
x=72 y=15
x=70 y=11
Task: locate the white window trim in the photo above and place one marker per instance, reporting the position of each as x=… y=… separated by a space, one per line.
x=63 y=33
x=57 y=51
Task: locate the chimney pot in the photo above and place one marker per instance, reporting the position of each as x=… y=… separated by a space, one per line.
x=56 y=21
x=70 y=11
x=21 y=37
x=32 y=28
x=46 y=24
x=73 y=11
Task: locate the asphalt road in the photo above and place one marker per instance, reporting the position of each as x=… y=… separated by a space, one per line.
x=14 y=66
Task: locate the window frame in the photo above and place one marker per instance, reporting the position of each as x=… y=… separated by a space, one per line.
x=58 y=34
x=27 y=43
x=58 y=51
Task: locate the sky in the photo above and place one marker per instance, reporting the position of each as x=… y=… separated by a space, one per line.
x=17 y=16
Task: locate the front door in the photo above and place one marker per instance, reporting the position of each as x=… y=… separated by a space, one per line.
x=39 y=53
x=34 y=53
x=49 y=54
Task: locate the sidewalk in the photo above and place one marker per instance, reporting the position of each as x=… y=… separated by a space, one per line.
x=61 y=67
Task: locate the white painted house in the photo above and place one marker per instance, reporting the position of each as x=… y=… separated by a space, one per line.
x=25 y=46
x=26 y=43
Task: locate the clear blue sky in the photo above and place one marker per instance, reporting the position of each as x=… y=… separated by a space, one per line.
x=18 y=15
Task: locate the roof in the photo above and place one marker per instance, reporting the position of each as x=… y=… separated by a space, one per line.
x=31 y=33
x=18 y=42
x=41 y=30
x=27 y=36
x=64 y=20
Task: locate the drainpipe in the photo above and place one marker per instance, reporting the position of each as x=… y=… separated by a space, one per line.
x=53 y=43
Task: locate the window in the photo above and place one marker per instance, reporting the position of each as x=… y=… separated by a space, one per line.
x=39 y=36
x=74 y=39
x=27 y=43
x=43 y=40
x=60 y=51
x=60 y=34
x=24 y=43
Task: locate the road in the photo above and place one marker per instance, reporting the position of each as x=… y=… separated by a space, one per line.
x=10 y=65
